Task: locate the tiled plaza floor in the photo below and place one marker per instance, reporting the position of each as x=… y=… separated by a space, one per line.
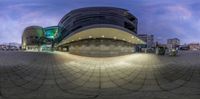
x=59 y=75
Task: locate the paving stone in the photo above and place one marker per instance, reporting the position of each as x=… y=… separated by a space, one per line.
x=60 y=75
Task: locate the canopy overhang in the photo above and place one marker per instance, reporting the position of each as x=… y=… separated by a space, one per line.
x=113 y=32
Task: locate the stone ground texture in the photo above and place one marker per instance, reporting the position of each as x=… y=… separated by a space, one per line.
x=59 y=75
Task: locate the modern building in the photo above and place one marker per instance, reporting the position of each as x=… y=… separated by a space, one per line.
x=31 y=38
x=149 y=39
x=98 y=31
x=173 y=43
x=36 y=38
x=92 y=31
x=50 y=35
x=51 y=32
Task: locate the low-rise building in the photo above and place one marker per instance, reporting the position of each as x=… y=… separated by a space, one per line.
x=10 y=46
x=194 y=46
x=173 y=43
x=149 y=39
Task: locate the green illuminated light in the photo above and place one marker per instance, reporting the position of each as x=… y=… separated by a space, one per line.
x=51 y=32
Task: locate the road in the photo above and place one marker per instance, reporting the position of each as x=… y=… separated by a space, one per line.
x=59 y=75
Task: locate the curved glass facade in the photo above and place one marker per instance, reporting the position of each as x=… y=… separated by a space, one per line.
x=51 y=32
x=31 y=36
x=92 y=31
x=83 y=17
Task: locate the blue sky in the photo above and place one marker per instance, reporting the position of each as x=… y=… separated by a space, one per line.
x=163 y=18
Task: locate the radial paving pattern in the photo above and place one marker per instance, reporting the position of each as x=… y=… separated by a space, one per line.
x=29 y=75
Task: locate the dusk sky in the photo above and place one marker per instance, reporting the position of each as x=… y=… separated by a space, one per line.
x=163 y=18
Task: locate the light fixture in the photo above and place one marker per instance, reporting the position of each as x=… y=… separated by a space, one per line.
x=132 y=37
x=102 y=36
x=115 y=37
x=90 y=36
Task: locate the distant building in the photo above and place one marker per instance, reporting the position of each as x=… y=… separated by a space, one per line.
x=149 y=39
x=173 y=41
x=3 y=47
x=10 y=46
x=194 y=46
x=184 y=47
x=15 y=44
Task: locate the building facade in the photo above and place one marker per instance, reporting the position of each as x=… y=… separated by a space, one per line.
x=98 y=31
x=194 y=46
x=36 y=38
x=173 y=43
x=149 y=39
x=92 y=31
x=31 y=38
x=50 y=35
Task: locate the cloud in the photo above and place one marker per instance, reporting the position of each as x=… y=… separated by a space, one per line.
x=163 y=18
x=12 y=27
x=179 y=11
x=171 y=19
x=22 y=5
